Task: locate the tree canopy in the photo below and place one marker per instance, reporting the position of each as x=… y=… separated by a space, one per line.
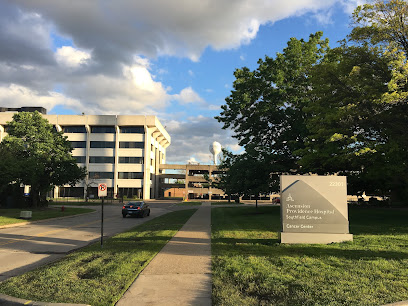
x=265 y=108
x=313 y=109
x=39 y=155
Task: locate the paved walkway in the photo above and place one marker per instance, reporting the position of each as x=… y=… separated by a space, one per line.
x=180 y=274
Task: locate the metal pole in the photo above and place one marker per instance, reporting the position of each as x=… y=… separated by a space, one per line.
x=102 y=224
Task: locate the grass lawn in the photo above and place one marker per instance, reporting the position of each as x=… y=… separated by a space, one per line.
x=250 y=267
x=11 y=216
x=226 y=203
x=83 y=203
x=189 y=203
x=73 y=203
x=95 y=275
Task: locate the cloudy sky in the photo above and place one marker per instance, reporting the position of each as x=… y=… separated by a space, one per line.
x=173 y=59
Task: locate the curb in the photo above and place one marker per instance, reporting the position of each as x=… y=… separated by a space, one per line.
x=11 y=301
x=43 y=220
x=402 y=303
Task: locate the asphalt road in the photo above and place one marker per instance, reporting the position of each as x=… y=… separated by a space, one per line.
x=25 y=247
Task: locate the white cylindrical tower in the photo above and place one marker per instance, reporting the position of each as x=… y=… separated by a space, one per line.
x=215 y=149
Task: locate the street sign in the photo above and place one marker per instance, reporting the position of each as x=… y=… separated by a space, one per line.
x=102 y=190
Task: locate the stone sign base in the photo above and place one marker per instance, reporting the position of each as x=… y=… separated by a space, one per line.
x=321 y=238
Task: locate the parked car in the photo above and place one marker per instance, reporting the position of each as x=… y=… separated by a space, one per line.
x=138 y=209
x=276 y=200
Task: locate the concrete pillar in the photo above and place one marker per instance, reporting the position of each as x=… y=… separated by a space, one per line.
x=156 y=175
x=88 y=146
x=186 y=182
x=115 y=167
x=146 y=170
x=211 y=178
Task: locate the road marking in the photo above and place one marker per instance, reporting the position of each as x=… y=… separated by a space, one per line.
x=52 y=232
x=28 y=302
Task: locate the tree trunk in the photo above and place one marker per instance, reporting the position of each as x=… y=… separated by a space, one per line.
x=396 y=198
x=256 y=201
x=35 y=197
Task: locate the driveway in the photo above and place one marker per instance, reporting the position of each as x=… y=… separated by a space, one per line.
x=24 y=247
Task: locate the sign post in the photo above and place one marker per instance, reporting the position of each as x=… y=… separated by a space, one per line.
x=102 y=193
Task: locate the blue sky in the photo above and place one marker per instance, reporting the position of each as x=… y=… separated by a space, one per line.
x=174 y=59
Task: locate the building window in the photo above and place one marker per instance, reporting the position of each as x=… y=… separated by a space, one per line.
x=130 y=160
x=132 y=129
x=103 y=129
x=101 y=159
x=131 y=145
x=78 y=144
x=100 y=175
x=74 y=129
x=80 y=159
x=130 y=175
x=102 y=144
x=151 y=147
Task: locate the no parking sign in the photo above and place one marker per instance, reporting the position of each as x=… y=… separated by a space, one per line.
x=102 y=190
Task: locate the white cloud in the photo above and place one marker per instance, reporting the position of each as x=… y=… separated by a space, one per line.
x=71 y=57
x=214 y=107
x=192 y=160
x=116 y=30
x=17 y=96
x=350 y=5
x=324 y=17
x=133 y=91
x=188 y=95
x=192 y=136
x=191 y=73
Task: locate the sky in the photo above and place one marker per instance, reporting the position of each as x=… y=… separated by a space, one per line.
x=173 y=59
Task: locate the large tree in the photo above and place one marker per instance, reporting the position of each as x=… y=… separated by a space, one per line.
x=382 y=23
x=265 y=108
x=345 y=120
x=243 y=174
x=41 y=155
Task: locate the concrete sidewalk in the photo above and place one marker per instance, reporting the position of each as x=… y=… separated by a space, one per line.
x=180 y=274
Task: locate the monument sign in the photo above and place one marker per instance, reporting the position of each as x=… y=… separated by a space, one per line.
x=314 y=209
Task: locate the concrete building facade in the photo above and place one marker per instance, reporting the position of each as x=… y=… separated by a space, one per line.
x=123 y=151
x=189 y=181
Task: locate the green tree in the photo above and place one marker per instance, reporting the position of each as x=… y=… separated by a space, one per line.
x=382 y=23
x=344 y=135
x=8 y=167
x=41 y=154
x=265 y=108
x=242 y=174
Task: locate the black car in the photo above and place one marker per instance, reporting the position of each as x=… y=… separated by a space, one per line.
x=138 y=209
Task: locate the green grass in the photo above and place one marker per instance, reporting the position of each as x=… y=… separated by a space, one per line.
x=12 y=216
x=226 y=203
x=250 y=267
x=77 y=203
x=84 y=203
x=189 y=203
x=95 y=275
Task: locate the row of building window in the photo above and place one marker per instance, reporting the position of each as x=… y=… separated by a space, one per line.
x=104 y=129
x=110 y=175
x=109 y=144
x=109 y=160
